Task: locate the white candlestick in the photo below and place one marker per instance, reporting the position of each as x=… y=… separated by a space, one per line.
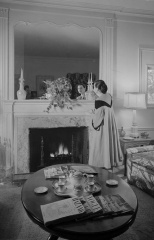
x=21 y=76
x=91 y=79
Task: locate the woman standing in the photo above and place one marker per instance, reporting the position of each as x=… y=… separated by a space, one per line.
x=105 y=150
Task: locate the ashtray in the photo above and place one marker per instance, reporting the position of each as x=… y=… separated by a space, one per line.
x=112 y=182
x=40 y=190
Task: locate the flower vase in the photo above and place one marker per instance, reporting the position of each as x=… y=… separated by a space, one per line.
x=21 y=93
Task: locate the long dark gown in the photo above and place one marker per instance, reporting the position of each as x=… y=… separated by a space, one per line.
x=105 y=150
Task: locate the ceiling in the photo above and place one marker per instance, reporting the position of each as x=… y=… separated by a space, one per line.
x=66 y=41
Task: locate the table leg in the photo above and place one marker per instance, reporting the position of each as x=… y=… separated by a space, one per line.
x=52 y=237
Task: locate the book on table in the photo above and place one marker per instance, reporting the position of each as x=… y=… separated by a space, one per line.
x=85 y=207
x=70 y=209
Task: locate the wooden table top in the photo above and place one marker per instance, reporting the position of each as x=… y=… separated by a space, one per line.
x=87 y=229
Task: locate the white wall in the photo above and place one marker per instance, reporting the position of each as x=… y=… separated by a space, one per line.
x=128 y=38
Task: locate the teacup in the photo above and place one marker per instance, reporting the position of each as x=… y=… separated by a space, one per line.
x=61 y=186
x=91 y=186
x=62 y=179
x=90 y=178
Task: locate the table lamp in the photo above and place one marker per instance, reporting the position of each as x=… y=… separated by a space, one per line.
x=134 y=101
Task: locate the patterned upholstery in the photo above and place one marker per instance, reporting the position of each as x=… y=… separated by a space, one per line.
x=140 y=167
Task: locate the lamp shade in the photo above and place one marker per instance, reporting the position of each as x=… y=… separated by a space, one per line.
x=134 y=100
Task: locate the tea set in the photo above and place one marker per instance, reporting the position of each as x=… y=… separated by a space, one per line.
x=75 y=183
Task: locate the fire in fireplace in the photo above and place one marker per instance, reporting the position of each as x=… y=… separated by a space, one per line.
x=51 y=146
x=62 y=154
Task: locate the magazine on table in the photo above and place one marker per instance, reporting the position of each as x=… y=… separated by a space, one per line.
x=92 y=207
x=76 y=208
x=62 y=211
x=55 y=172
x=84 y=169
x=85 y=207
x=114 y=205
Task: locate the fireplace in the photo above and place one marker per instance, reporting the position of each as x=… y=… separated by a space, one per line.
x=50 y=146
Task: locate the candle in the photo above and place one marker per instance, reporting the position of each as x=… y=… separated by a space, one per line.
x=91 y=79
x=21 y=76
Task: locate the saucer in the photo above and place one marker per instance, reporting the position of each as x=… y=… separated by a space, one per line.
x=128 y=138
x=41 y=190
x=112 y=182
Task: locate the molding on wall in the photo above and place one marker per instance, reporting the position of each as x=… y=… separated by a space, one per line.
x=46 y=59
x=4 y=12
x=109 y=26
x=85 y=6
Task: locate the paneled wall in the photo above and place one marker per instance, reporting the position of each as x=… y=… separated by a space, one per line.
x=119 y=65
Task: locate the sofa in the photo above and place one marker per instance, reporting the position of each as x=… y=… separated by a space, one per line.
x=140 y=167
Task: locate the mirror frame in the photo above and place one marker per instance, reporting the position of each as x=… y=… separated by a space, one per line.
x=21 y=23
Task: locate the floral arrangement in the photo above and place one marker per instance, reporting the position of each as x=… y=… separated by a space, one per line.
x=58 y=92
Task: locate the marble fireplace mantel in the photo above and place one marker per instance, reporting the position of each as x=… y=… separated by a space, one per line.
x=22 y=115
x=33 y=107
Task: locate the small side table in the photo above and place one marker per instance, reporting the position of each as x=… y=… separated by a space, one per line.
x=136 y=142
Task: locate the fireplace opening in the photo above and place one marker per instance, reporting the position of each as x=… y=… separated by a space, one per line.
x=51 y=146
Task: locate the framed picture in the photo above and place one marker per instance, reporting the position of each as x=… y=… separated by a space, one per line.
x=146 y=74
x=150 y=84
x=34 y=94
x=40 y=85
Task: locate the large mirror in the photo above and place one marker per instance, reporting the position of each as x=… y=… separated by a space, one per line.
x=49 y=51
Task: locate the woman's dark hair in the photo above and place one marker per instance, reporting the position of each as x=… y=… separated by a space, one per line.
x=101 y=85
x=26 y=87
x=81 y=84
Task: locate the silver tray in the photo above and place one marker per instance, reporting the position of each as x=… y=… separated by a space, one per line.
x=69 y=190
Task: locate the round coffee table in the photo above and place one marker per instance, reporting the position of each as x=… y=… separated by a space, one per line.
x=88 y=229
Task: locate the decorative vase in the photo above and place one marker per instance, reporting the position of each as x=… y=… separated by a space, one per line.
x=122 y=132
x=21 y=93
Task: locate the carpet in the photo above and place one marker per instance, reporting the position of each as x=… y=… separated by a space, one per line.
x=15 y=224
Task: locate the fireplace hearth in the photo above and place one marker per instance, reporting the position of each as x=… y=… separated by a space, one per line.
x=51 y=146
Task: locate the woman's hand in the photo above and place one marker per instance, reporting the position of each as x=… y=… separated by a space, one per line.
x=92 y=111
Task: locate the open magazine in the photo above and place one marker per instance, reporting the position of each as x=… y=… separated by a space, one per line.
x=55 y=172
x=84 y=207
x=84 y=169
